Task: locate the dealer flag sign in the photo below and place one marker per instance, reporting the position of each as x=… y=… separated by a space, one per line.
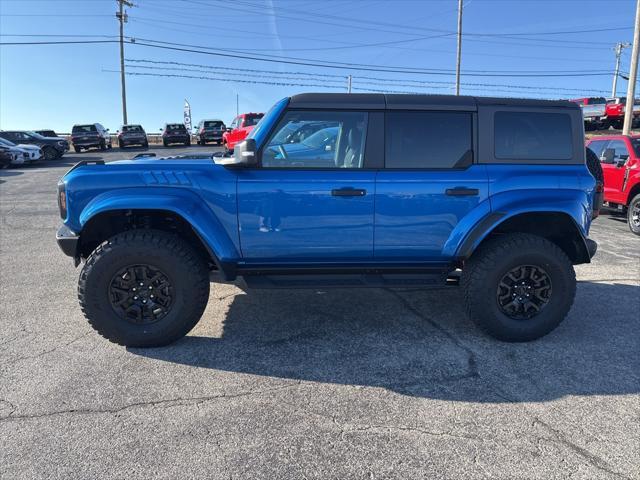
x=187 y=115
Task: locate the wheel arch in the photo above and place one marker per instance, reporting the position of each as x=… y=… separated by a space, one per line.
x=556 y=226
x=165 y=210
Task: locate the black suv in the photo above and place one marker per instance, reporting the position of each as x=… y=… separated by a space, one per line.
x=52 y=148
x=210 y=131
x=132 y=135
x=175 y=133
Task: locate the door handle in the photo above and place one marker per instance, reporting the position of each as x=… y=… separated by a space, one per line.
x=348 y=192
x=461 y=191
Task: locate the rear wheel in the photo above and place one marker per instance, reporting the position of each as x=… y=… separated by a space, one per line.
x=518 y=287
x=164 y=142
x=144 y=288
x=187 y=143
x=103 y=146
x=76 y=149
x=633 y=215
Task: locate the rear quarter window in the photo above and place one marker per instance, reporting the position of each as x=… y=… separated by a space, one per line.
x=532 y=136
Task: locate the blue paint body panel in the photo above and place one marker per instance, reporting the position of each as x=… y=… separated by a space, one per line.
x=254 y=216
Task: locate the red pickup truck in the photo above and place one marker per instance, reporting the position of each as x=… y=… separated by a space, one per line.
x=614 y=112
x=239 y=129
x=620 y=158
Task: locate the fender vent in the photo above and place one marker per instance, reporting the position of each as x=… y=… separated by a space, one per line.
x=166 y=177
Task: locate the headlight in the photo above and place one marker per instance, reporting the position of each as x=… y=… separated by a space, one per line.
x=62 y=200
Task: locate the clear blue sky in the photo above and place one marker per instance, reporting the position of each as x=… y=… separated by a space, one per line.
x=55 y=86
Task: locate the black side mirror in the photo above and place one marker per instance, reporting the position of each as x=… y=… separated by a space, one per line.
x=245 y=154
x=621 y=161
x=608 y=156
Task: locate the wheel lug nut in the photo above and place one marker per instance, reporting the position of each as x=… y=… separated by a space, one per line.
x=150 y=287
x=135 y=298
x=144 y=301
x=141 y=284
x=134 y=289
x=150 y=296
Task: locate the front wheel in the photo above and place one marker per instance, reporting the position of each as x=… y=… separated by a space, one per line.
x=633 y=215
x=144 y=288
x=518 y=287
x=50 y=153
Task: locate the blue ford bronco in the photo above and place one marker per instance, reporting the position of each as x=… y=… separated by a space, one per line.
x=489 y=195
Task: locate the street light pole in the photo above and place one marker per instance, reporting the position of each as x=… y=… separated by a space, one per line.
x=459 y=52
x=633 y=73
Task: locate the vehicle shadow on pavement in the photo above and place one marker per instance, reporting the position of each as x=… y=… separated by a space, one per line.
x=420 y=343
x=8 y=173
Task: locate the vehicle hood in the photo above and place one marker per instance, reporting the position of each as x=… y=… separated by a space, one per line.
x=24 y=146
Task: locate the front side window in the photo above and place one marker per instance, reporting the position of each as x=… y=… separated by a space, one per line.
x=597 y=146
x=425 y=140
x=533 y=136
x=317 y=139
x=620 y=149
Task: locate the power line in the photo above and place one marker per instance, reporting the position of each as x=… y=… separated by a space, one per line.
x=319 y=63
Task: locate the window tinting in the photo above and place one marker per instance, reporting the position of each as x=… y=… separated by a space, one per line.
x=636 y=145
x=428 y=140
x=620 y=148
x=252 y=119
x=176 y=127
x=533 y=135
x=83 y=128
x=213 y=124
x=317 y=140
x=132 y=128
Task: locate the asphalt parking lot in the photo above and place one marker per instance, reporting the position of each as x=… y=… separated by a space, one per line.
x=310 y=384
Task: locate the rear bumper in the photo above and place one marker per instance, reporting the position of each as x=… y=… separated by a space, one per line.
x=68 y=241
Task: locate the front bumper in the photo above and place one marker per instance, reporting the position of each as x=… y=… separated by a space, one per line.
x=68 y=241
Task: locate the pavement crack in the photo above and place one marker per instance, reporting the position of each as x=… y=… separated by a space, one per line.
x=165 y=403
x=46 y=352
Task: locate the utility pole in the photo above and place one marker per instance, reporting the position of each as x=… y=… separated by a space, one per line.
x=459 y=54
x=633 y=73
x=616 y=73
x=349 y=84
x=237 y=105
x=121 y=15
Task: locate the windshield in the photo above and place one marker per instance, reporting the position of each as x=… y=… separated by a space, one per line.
x=84 y=129
x=213 y=124
x=253 y=119
x=260 y=131
x=321 y=138
x=6 y=143
x=636 y=146
x=132 y=128
x=36 y=135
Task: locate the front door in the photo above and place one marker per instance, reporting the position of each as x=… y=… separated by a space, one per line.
x=614 y=173
x=311 y=198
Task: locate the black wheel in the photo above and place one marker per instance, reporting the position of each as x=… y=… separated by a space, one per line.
x=50 y=153
x=103 y=146
x=77 y=149
x=122 y=146
x=518 y=287
x=633 y=214
x=165 y=143
x=187 y=143
x=144 y=288
x=226 y=148
x=145 y=145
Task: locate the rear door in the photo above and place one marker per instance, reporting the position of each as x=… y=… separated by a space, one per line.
x=429 y=183
x=313 y=200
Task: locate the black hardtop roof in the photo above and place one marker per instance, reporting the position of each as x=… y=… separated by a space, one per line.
x=382 y=101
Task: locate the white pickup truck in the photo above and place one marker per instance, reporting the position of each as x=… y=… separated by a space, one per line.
x=593 y=111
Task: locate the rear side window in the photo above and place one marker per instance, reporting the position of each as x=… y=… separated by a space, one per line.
x=252 y=119
x=83 y=128
x=423 y=140
x=533 y=135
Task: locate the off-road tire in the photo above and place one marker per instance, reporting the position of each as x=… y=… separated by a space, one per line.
x=633 y=210
x=186 y=269
x=77 y=149
x=103 y=146
x=497 y=256
x=145 y=145
x=187 y=143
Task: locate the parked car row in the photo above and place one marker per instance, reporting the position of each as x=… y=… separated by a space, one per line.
x=25 y=147
x=601 y=113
